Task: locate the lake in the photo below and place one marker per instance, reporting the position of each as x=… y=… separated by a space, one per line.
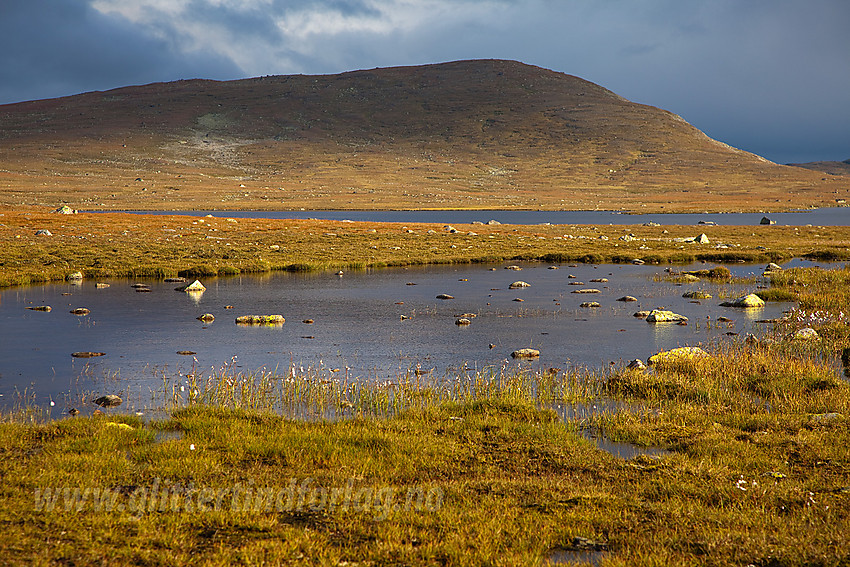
x=369 y=324
x=834 y=216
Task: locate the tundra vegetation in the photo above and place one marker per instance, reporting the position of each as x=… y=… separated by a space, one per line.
x=478 y=468
x=102 y=245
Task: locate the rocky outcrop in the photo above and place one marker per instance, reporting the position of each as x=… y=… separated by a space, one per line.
x=663 y=316
x=190 y=287
x=749 y=301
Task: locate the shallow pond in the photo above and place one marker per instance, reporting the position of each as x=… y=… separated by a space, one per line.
x=369 y=324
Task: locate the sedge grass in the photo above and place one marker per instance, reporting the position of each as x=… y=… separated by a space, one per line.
x=476 y=470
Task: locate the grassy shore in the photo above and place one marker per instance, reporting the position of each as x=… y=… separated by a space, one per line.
x=136 y=246
x=480 y=469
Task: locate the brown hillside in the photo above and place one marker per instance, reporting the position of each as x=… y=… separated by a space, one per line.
x=830 y=167
x=468 y=134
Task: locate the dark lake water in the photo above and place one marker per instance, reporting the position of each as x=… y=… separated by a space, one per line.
x=358 y=325
x=837 y=216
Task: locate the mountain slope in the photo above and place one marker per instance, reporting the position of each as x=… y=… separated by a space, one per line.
x=467 y=134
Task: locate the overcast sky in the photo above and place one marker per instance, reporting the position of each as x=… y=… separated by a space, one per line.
x=767 y=76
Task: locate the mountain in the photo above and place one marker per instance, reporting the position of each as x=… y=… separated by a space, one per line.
x=830 y=167
x=466 y=134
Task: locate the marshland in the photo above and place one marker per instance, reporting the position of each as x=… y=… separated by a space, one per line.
x=740 y=454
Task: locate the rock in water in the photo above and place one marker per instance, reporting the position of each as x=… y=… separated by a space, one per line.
x=765 y=220
x=75 y=276
x=696 y=295
x=260 y=320
x=87 y=354
x=518 y=284
x=745 y=302
x=41 y=308
x=463 y=321
x=525 y=353
x=65 y=210
x=194 y=286
x=662 y=316
x=108 y=401
x=80 y=311
x=445 y=296
x=207 y=318
x=627 y=298
x=636 y=364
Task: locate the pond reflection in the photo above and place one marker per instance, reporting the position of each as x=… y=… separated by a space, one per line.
x=369 y=324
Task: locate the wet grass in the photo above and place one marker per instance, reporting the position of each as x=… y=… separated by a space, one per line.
x=308 y=467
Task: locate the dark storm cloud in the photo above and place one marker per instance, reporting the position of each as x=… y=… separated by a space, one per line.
x=768 y=76
x=54 y=48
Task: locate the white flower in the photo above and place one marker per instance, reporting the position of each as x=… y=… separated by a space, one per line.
x=192 y=447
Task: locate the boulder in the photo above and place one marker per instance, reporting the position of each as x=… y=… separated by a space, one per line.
x=463 y=321
x=636 y=364
x=518 y=284
x=696 y=295
x=108 y=401
x=445 y=296
x=587 y=291
x=43 y=232
x=75 y=276
x=806 y=334
x=663 y=316
x=65 y=210
x=638 y=262
x=701 y=239
x=641 y=314
x=765 y=220
x=101 y=285
x=80 y=311
x=493 y=222
x=591 y=304
x=190 y=287
x=513 y=267
x=749 y=301
x=677 y=354
x=207 y=318
x=627 y=298
x=87 y=354
x=45 y=308
x=260 y=320
x=525 y=353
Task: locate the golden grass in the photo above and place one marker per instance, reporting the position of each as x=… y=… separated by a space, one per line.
x=139 y=246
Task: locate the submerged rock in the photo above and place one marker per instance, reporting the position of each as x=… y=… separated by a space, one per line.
x=663 y=316
x=676 y=354
x=108 y=401
x=745 y=302
x=260 y=320
x=696 y=295
x=87 y=354
x=525 y=353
